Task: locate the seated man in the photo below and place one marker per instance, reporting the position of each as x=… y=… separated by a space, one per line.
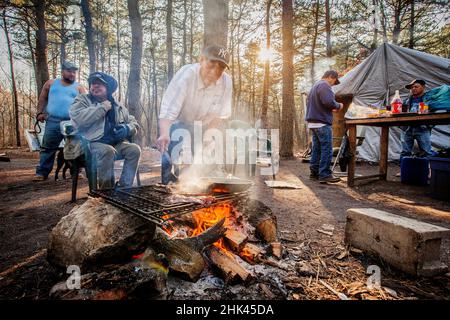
x=420 y=133
x=108 y=127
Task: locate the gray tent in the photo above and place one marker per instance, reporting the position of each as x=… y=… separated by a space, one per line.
x=374 y=81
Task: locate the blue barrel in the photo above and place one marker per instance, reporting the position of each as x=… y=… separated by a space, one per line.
x=415 y=171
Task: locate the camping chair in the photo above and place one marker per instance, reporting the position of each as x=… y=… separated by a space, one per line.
x=250 y=169
x=89 y=162
x=343 y=149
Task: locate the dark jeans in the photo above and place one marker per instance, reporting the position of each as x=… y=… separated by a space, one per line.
x=322 y=151
x=423 y=136
x=50 y=143
x=170 y=171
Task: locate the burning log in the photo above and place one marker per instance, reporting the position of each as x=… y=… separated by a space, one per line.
x=235 y=239
x=115 y=283
x=97 y=233
x=183 y=254
x=250 y=253
x=227 y=266
x=262 y=218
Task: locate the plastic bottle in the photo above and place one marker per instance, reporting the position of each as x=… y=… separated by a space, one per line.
x=396 y=103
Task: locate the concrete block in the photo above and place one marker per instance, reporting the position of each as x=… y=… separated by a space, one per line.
x=407 y=244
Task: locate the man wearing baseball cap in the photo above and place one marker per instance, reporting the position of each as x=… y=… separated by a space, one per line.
x=198 y=92
x=108 y=127
x=53 y=107
x=420 y=133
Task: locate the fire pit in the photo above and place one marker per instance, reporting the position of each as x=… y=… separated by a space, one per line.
x=157 y=204
x=219 y=233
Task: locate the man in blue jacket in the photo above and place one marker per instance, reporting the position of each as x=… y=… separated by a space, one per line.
x=420 y=133
x=320 y=105
x=109 y=127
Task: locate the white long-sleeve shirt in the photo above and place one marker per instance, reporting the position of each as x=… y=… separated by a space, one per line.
x=187 y=99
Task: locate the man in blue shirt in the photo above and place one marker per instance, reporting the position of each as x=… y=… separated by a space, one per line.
x=420 y=133
x=320 y=107
x=53 y=107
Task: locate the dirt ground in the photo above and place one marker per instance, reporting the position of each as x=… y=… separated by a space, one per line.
x=29 y=211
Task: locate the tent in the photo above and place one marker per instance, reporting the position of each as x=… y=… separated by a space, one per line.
x=373 y=83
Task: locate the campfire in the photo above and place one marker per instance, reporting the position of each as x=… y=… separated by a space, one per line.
x=219 y=234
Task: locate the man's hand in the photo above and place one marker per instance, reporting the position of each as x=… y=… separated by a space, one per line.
x=341 y=106
x=107 y=105
x=41 y=117
x=121 y=131
x=163 y=143
x=164 y=136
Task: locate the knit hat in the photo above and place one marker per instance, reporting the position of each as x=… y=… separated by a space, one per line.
x=108 y=81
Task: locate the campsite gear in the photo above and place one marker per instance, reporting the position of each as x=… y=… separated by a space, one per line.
x=374 y=81
x=423 y=108
x=396 y=103
x=386 y=125
x=343 y=156
x=440 y=178
x=438 y=98
x=414 y=170
x=263 y=154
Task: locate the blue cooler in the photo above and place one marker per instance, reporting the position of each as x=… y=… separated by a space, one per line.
x=440 y=178
x=414 y=170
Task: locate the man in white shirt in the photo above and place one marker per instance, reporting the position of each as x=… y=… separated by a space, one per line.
x=197 y=92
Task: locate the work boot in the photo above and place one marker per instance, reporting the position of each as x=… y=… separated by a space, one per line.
x=313 y=177
x=38 y=177
x=330 y=179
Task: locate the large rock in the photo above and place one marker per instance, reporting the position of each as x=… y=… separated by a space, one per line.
x=97 y=233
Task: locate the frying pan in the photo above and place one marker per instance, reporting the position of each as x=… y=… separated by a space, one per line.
x=226 y=185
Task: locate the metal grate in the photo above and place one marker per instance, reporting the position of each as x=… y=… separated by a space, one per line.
x=152 y=202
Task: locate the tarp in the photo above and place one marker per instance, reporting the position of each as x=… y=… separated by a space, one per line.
x=374 y=81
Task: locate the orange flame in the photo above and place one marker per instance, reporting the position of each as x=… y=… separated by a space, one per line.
x=247 y=255
x=207 y=217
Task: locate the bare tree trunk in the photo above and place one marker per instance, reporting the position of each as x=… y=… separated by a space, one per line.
x=397 y=23
x=169 y=44
x=287 y=134
x=32 y=53
x=411 y=25
x=191 y=34
x=62 y=48
x=89 y=34
x=13 y=80
x=314 y=42
x=216 y=22
x=328 y=27
x=185 y=17
x=118 y=50
x=42 y=74
x=375 y=24
x=383 y=20
x=266 y=84
x=134 y=78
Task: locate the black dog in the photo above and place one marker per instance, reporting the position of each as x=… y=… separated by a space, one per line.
x=63 y=164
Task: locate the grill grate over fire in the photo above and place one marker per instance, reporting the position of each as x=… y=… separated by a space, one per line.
x=156 y=203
